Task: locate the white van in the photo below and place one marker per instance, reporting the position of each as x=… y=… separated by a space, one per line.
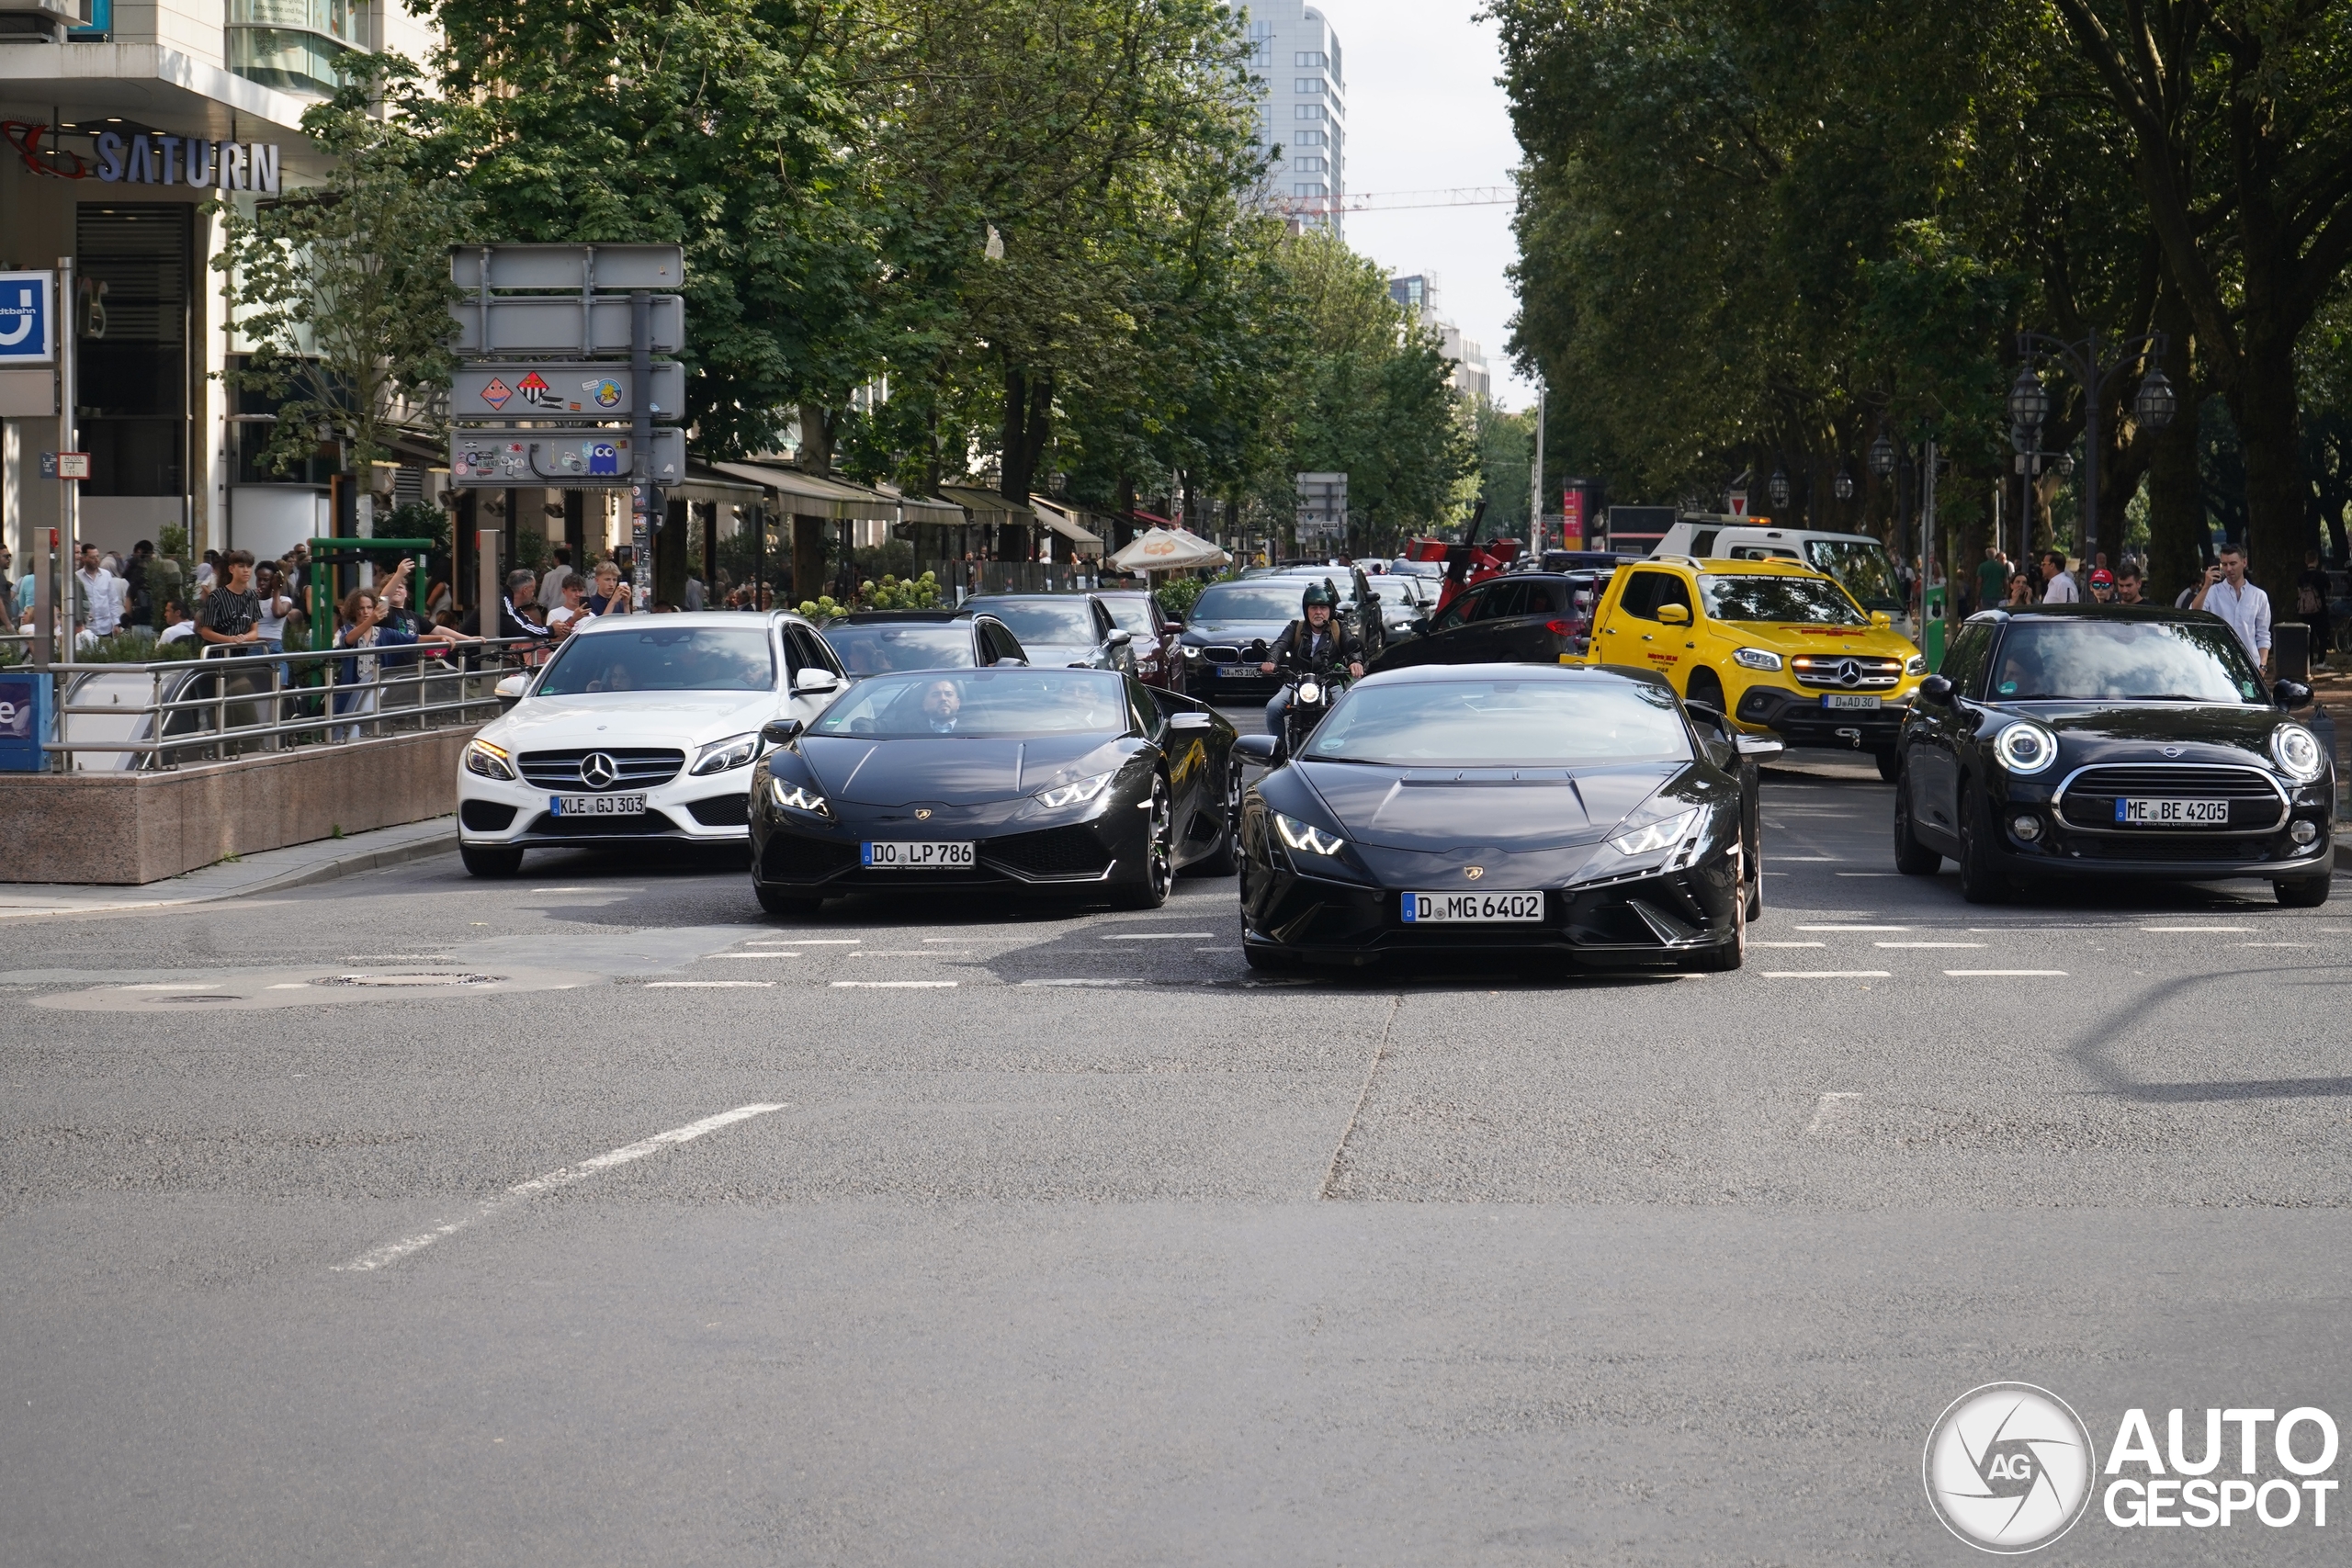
x=1857 y=560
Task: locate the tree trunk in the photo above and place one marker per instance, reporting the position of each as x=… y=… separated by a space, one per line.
x=2264 y=406
x=816 y=438
x=808 y=559
x=1122 y=526
x=1028 y=419
x=2175 y=500
x=670 y=555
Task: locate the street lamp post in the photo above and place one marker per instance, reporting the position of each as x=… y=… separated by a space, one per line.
x=2153 y=407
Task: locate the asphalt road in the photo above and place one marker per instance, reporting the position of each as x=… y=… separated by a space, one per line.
x=1053 y=1235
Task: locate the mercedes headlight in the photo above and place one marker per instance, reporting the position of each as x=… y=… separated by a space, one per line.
x=1756 y=658
x=1307 y=837
x=490 y=762
x=1916 y=665
x=797 y=797
x=2296 y=750
x=721 y=755
x=2026 y=748
x=1656 y=836
x=1073 y=794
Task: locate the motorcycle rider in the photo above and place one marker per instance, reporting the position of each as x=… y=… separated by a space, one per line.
x=1318 y=640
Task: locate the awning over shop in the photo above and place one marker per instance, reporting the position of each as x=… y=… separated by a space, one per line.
x=1063 y=520
x=925 y=509
x=805 y=495
x=703 y=484
x=987 y=505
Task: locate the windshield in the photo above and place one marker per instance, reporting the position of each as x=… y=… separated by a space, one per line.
x=1131 y=613
x=981 y=704
x=2100 y=660
x=1503 y=723
x=1861 y=565
x=662 y=659
x=1034 y=621
x=1809 y=600
x=1395 y=591
x=878 y=650
x=1267 y=599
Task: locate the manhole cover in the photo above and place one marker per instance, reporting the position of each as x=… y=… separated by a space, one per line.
x=411 y=977
x=213 y=997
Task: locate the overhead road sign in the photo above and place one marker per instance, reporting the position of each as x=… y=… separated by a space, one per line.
x=600 y=269
x=505 y=323
x=550 y=389
x=572 y=460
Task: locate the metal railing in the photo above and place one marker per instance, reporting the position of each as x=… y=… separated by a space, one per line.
x=242 y=700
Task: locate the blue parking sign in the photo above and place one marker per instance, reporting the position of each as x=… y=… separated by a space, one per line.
x=27 y=334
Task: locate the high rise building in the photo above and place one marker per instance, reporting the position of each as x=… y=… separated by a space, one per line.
x=1417 y=293
x=1302 y=108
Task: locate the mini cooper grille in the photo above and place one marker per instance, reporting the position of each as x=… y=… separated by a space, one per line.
x=791 y=857
x=724 y=810
x=1057 y=851
x=2091 y=795
x=1845 y=672
x=633 y=767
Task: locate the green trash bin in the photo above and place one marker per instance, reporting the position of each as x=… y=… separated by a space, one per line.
x=1932 y=634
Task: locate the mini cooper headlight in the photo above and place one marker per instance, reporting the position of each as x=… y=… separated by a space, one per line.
x=1916 y=665
x=1073 y=794
x=1656 y=836
x=1757 y=658
x=490 y=762
x=1306 y=838
x=721 y=755
x=2026 y=748
x=2296 y=750
x=797 y=797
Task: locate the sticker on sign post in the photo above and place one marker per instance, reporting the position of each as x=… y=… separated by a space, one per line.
x=73 y=465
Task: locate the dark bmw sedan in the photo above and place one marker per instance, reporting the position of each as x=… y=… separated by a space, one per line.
x=1047 y=780
x=1575 y=813
x=2110 y=740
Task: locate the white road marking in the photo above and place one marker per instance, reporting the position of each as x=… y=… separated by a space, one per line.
x=1081 y=981
x=2054 y=974
x=809 y=940
x=392 y=1252
x=1159 y=936
x=1823 y=1107
x=397 y=958
x=1216 y=949
x=765 y=953
x=1827 y=974
x=2274 y=944
x=1823 y=860
x=176 y=986
x=1787 y=944
x=702 y=984
x=1861 y=873
x=894 y=985
x=1927 y=944
x=2197 y=928
x=605 y=889
x=290 y=985
x=904 y=952
x=1853 y=928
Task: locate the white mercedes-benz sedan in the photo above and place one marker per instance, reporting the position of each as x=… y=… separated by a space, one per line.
x=641 y=730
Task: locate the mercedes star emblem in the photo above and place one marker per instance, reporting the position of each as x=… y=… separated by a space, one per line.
x=1473 y=872
x=597 y=771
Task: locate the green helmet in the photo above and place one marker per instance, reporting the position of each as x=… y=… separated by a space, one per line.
x=1318 y=593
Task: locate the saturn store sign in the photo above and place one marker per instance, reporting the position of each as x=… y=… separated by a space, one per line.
x=191 y=161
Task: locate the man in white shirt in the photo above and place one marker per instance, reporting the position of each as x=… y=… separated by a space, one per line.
x=2228 y=594
x=104 y=591
x=2057 y=587
x=551 y=594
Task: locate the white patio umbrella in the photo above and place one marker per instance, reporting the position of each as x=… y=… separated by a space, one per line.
x=1168 y=549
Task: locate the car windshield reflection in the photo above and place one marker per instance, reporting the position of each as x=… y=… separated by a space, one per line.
x=981 y=704
x=2149 y=662
x=881 y=651
x=663 y=659
x=1502 y=724
x=1067 y=625
x=1808 y=600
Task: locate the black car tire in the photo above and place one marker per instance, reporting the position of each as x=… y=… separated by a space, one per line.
x=776 y=901
x=1912 y=858
x=1754 y=903
x=1707 y=687
x=1982 y=880
x=1890 y=765
x=2306 y=891
x=489 y=862
x=1226 y=859
x=1150 y=890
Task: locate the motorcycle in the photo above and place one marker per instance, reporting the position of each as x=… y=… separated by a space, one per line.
x=1314 y=687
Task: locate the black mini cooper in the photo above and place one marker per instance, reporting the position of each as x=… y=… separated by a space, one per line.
x=2112 y=741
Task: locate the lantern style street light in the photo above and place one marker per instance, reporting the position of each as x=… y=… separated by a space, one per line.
x=2029 y=402
x=1843 y=484
x=1882 y=456
x=1778 y=487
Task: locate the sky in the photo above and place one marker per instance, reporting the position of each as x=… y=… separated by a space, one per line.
x=1424 y=113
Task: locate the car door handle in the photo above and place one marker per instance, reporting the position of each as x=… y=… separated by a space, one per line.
x=1646 y=636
